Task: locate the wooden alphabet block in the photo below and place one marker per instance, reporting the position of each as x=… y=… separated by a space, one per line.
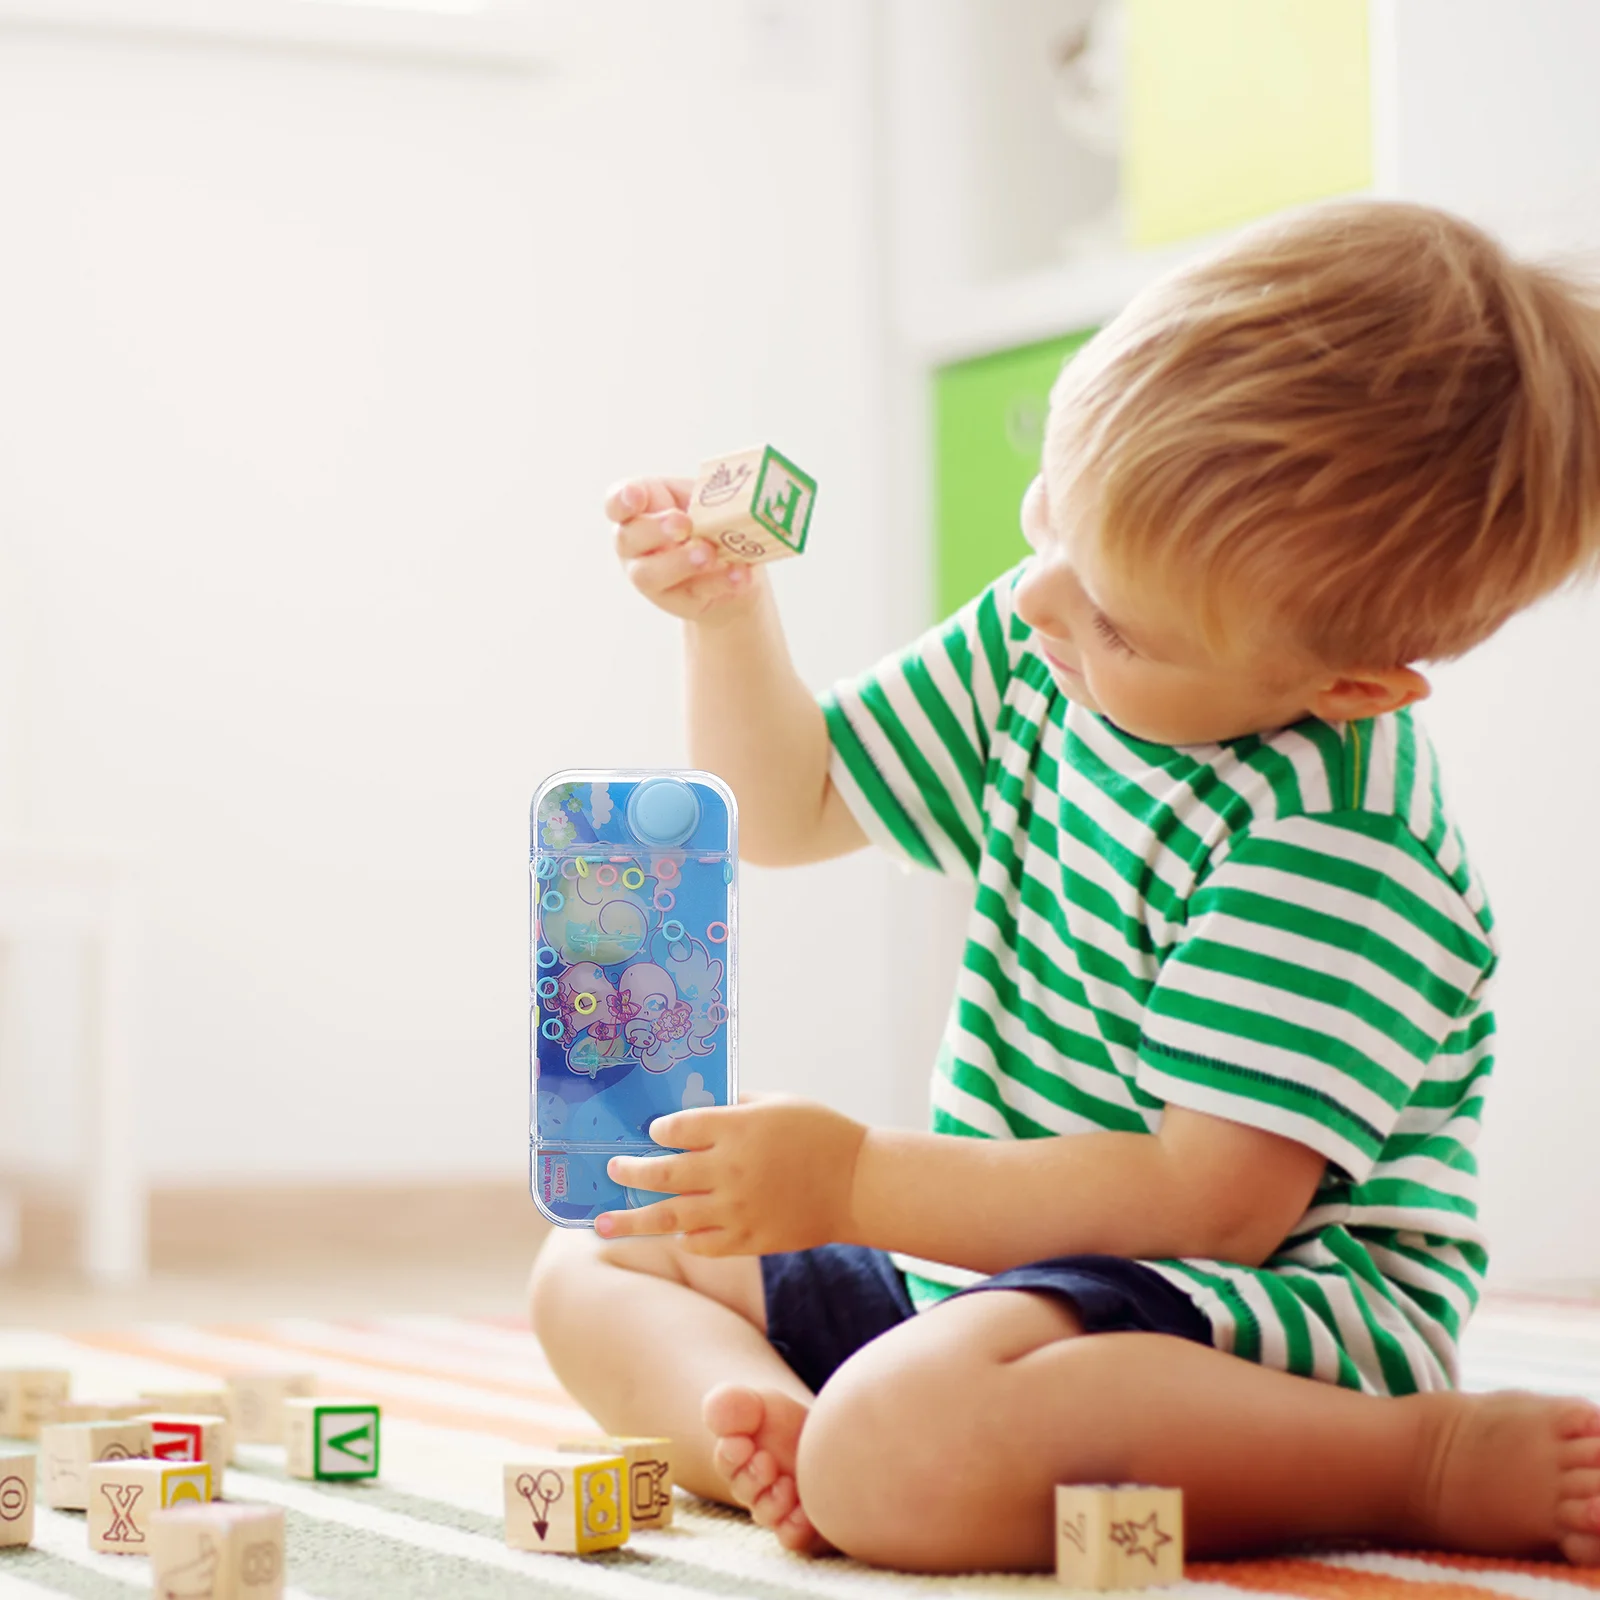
x=649 y=1464
x=92 y=1411
x=16 y=1499
x=559 y=1501
x=210 y=1402
x=332 y=1439
x=222 y=1552
x=123 y=1494
x=258 y=1398
x=1118 y=1536
x=176 y=1437
x=754 y=505
x=68 y=1449
x=26 y=1395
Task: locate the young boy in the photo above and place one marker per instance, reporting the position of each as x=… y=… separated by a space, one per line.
x=1198 y=1208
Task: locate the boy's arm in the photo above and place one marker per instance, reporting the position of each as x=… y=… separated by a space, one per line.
x=1203 y=1186
x=754 y=723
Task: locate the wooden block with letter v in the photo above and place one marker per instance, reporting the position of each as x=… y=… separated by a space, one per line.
x=28 y=1396
x=1118 y=1535
x=123 y=1494
x=230 y=1552
x=331 y=1439
x=572 y=1504
x=68 y=1449
x=649 y=1464
x=16 y=1499
x=753 y=505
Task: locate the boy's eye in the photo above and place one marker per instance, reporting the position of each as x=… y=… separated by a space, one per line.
x=1103 y=626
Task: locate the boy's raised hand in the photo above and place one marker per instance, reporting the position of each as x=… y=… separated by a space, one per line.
x=773 y=1173
x=666 y=564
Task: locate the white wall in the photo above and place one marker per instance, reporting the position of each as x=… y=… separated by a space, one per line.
x=314 y=373
x=1495 y=116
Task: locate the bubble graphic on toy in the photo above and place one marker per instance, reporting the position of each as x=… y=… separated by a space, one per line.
x=695 y=1093
x=599 y=922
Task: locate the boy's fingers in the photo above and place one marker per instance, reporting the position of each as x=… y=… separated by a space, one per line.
x=687 y=1130
x=658 y=1174
x=666 y=569
x=645 y=535
x=635 y=497
x=665 y=1216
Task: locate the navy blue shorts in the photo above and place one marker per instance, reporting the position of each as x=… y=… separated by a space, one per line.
x=825 y=1304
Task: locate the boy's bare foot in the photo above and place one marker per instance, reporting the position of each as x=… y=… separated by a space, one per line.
x=758 y=1441
x=1512 y=1473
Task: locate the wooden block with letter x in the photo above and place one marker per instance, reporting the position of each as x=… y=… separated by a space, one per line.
x=1118 y=1536
x=123 y=1494
x=68 y=1449
x=649 y=1464
x=331 y=1438
x=556 y=1500
x=28 y=1395
x=754 y=505
x=16 y=1499
x=231 y=1552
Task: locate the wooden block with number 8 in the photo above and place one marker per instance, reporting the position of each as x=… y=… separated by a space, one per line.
x=1118 y=1535
x=229 y=1552
x=16 y=1499
x=649 y=1464
x=68 y=1449
x=331 y=1439
x=754 y=505
x=122 y=1495
x=573 y=1504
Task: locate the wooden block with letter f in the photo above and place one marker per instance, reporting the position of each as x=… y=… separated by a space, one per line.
x=754 y=505
x=1118 y=1536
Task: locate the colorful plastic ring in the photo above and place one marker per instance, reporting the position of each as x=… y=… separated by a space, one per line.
x=552 y=899
x=716 y=1013
x=546 y=950
x=601 y=878
x=668 y=926
x=544 y=866
x=548 y=988
x=579 y=870
x=665 y=868
x=552 y=1028
x=663 y=900
x=580 y=1007
x=636 y=875
x=713 y=935
x=727 y=872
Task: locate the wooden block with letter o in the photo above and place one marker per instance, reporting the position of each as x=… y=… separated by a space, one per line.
x=331 y=1439
x=227 y=1552
x=27 y=1397
x=68 y=1449
x=1118 y=1536
x=556 y=1500
x=123 y=1494
x=258 y=1398
x=16 y=1499
x=753 y=505
x=649 y=1464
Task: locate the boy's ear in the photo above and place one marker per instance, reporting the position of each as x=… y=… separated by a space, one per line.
x=1369 y=694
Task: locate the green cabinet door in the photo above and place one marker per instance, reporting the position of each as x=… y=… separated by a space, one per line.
x=988 y=433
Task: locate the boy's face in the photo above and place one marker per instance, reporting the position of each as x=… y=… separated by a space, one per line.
x=1133 y=658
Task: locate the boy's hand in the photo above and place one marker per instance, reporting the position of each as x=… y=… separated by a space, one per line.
x=772 y=1174
x=666 y=564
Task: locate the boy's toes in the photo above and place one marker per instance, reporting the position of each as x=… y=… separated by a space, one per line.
x=732 y=1408
x=731 y=1454
x=775 y=1503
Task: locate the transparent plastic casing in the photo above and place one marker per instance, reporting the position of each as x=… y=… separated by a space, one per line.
x=633 y=972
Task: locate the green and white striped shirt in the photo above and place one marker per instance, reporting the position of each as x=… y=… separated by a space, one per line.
x=1282 y=930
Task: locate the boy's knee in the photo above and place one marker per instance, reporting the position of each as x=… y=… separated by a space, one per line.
x=566 y=1253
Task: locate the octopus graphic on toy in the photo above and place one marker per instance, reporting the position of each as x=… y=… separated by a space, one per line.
x=632 y=971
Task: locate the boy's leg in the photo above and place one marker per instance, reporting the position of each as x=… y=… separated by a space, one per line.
x=937 y=1447
x=639 y=1332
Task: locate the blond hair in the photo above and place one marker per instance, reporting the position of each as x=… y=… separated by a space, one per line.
x=1363 y=428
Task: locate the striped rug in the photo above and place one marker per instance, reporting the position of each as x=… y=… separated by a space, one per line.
x=460 y=1396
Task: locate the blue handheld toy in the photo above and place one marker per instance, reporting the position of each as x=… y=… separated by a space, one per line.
x=632 y=972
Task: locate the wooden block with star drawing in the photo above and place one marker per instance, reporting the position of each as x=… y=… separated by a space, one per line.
x=649 y=1464
x=1118 y=1535
x=753 y=505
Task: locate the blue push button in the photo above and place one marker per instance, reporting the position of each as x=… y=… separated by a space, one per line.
x=663 y=811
